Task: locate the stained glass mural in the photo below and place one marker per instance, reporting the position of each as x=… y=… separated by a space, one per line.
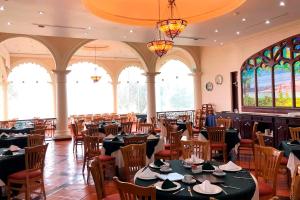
x=297 y=83
x=248 y=86
x=283 y=87
x=264 y=86
x=287 y=52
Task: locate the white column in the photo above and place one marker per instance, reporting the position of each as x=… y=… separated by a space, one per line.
x=115 y=94
x=151 y=104
x=5 y=99
x=197 y=90
x=62 y=131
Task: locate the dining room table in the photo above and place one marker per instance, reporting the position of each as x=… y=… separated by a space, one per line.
x=18 y=139
x=291 y=150
x=235 y=185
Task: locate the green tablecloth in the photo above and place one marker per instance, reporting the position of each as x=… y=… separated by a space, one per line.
x=288 y=148
x=246 y=191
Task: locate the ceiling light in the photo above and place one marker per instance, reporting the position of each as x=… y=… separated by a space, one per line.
x=131 y=31
x=8 y=23
x=89 y=28
x=216 y=31
x=282 y=3
x=238 y=33
x=244 y=19
x=267 y=22
x=41 y=12
x=2 y=8
x=221 y=43
x=215 y=40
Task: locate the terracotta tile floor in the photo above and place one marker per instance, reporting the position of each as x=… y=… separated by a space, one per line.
x=64 y=179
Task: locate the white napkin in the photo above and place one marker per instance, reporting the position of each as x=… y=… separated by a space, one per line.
x=172 y=176
x=230 y=166
x=110 y=136
x=147 y=174
x=206 y=186
x=4 y=134
x=151 y=137
x=18 y=135
x=14 y=148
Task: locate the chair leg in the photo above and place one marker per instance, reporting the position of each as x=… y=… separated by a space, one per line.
x=43 y=188
x=84 y=161
x=8 y=190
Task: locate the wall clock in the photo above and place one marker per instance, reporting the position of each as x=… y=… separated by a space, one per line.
x=219 y=79
x=209 y=86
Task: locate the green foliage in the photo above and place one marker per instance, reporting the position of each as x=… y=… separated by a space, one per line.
x=265 y=101
x=298 y=102
x=249 y=101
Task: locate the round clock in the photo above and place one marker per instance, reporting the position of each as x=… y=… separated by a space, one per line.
x=209 y=86
x=219 y=79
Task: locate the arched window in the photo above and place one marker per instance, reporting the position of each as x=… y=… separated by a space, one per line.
x=86 y=96
x=132 y=92
x=174 y=87
x=30 y=92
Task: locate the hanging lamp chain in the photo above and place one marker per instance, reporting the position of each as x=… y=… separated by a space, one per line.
x=172 y=5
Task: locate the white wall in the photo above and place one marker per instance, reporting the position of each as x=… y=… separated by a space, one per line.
x=230 y=57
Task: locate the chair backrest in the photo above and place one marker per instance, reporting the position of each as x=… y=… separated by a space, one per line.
x=295 y=186
x=145 y=127
x=129 y=191
x=35 y=157
x=225 y=122
x=171 y=121
x=295 y=133
x=127 y=127
x=153 y=122
x=135 y=140
x=111 y=129
x=175 y=144
x=92 y=129
x=189 y=127
x=216 y=134
x=134 y=156
x=261 y=138
x=92 y=145
x=267 y=161
x=184 y=118
x=35 y=140
x=195 y=147
x=254 y=130
x=98 y=177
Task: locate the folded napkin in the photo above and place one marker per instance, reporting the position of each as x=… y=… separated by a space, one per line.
x=206 y=186
x=151 y=137
x=18 y=135
x=7 y=153
x=171 y=176
x=13 y=148
x=230 y=166
x=147 y=174
x=4 y=135
x=194 y=159
x=116 y=139
x=158 y=163
x=167 y=184
x=295 y=142
x=110 y=136
x=207 y=166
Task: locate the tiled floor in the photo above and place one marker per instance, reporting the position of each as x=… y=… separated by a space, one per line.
x=64 y=179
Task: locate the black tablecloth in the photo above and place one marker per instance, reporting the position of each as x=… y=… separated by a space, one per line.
x=11 y=164
x=246 y=191
x=181 y=126
x=142 y=117
x=15 y=130
x=288 y=148
x=111 y=146
x=231 y=137
x=18 y=141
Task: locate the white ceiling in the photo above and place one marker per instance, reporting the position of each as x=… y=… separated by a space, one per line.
x=71 y=13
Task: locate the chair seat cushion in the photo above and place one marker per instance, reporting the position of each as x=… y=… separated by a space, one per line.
x=284 y=161
x=21 y=175
x=113 y=197
x=167 y=146
x=217 y=145
x=264 y=188
x=157 y=130
x=166 y=153
x=104 y=158
x=196 y=130
x=246 y=141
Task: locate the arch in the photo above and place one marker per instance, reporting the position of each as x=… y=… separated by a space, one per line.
x=127 y=65
x=177 y=53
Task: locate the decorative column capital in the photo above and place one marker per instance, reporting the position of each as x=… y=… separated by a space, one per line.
x=58 y=72
x=151 y=74
x=197 y=73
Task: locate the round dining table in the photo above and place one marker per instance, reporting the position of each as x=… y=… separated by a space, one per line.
x=20 y=141
x=237 y=185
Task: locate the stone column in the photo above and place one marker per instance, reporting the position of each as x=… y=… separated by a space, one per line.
x=62 y=131
x=197 y=90
x=5 y=99
x=115 y=95
x=151 y=101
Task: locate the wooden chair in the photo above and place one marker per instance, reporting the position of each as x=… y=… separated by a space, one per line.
x=40 y=131
x=129 y=191
x=154 y=125
x=295 y=186
x=77 y=137
x=135 y=140
x=196 y=147
x=193 y=132
x=134 y=156
x=98 y=176
x=295 y=133
x=145 y=128
x=126 y=127
x=35 y=140
x=266 y=160
x=111 y=129
x=216 y=137
x=175 y=148
x=261 y=138
x=92 y=148
x=32 y=178
x=92 y=129
x=224 y=122
x=183 y=118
